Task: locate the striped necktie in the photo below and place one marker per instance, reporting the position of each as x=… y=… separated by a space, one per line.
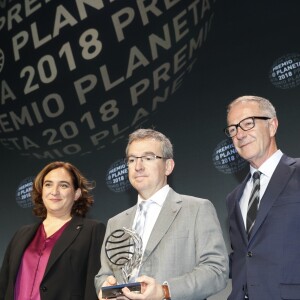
x=141 y=219
x=139 y=229
x=253 y=201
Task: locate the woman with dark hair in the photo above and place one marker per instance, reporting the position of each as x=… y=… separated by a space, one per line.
x=57 y=258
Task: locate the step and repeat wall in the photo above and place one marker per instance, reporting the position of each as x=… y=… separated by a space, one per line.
x=78 y=76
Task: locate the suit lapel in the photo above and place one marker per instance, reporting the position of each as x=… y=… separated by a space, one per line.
x=23 y=243
x=127 y=222
x=68 y=236
x=277 y=183
x=170 y=209
x=25 y=239
x=130 y=214
x=235 y=212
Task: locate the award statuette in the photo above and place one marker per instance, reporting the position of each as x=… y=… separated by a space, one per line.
x=124 y=248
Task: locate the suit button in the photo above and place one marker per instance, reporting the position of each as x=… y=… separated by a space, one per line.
x=43 y=289
x=249 y=254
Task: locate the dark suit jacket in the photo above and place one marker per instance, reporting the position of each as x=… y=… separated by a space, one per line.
x=269 y=262
x=72 y=265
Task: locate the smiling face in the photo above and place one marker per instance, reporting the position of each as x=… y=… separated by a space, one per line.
x=257 y=144
x=148 y=177
x=58 y=193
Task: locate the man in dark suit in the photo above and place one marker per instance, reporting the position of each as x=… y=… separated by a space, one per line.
x=184 y=254
x=265 y=261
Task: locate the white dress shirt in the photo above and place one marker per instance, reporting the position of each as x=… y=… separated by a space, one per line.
x=153 y=211
x=267 y=169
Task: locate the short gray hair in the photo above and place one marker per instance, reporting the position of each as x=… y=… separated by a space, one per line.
x=264 y=104
x=142 y=134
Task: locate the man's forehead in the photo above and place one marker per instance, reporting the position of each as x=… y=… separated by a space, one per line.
x=241 y=111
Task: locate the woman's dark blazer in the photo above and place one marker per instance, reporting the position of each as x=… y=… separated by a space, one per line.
x=72 y=265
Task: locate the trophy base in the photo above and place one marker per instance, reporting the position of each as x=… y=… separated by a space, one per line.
x=114 y=291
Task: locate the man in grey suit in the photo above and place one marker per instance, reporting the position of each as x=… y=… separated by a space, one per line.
x=184 y=254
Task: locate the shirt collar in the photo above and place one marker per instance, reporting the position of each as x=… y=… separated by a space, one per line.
x=159 y=197
x=269 y=166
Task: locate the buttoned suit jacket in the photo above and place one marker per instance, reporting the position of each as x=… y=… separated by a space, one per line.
x=185 y=248
x=72 y=264
x=268 y=264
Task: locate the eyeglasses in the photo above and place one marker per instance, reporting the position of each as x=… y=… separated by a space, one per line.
x=131 y=160
x=245 y=124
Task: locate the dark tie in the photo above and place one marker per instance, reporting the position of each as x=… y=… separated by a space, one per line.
x=141 y=219
x=253 y=201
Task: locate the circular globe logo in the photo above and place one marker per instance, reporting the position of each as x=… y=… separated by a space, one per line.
x=226 y=159
x=285 y=71
x=23 y=193
x=117 y=177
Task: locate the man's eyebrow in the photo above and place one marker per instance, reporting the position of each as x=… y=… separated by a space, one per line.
x=144 y=153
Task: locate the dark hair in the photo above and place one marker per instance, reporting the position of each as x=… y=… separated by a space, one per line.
x=83 y=203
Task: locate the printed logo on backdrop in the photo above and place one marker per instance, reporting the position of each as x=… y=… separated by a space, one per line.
x=75 y=76
x=285 y=71
x=226 y=159
x=117 y=177
x=23 y=193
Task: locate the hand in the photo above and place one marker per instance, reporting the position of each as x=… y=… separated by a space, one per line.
x=151 y=290
x=110 y=281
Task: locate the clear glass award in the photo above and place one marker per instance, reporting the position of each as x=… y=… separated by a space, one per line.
x=124 y=248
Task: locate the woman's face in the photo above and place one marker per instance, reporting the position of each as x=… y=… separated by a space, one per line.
x=58 y=193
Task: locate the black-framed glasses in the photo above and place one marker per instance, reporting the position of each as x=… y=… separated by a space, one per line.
x=131 y=160
x=245 y=124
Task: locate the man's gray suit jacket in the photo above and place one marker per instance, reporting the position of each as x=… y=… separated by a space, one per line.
x=186 y=248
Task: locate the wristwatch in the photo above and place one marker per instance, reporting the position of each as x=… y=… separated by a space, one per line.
x=166 y=291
